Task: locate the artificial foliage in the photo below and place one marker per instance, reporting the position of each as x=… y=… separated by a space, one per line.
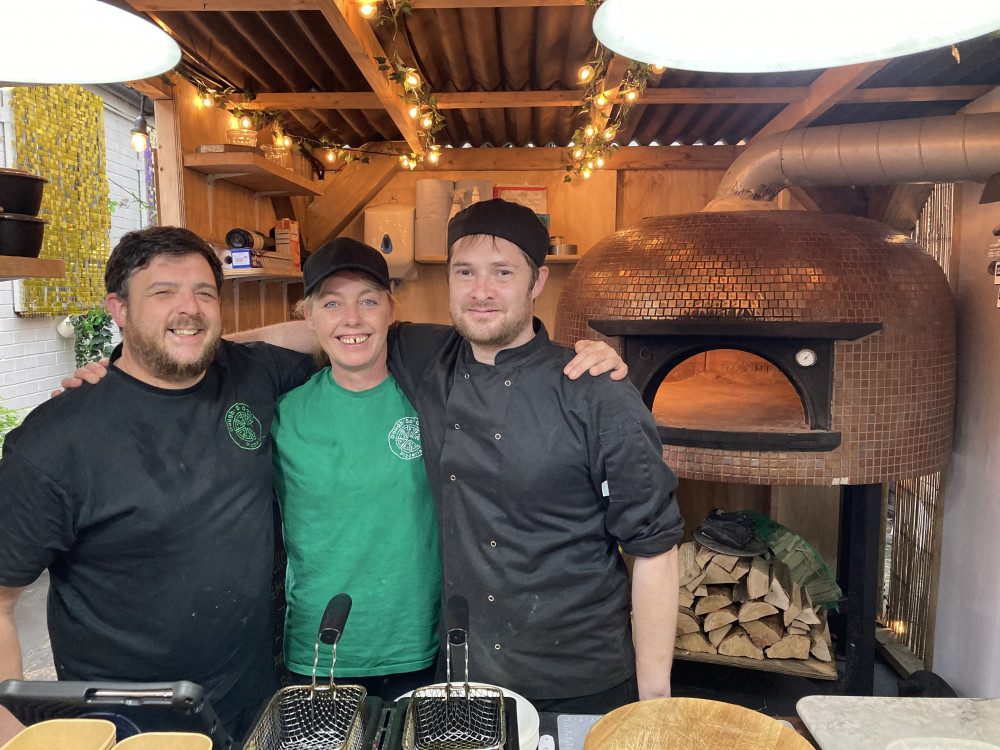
x=59 y=134
x=92 y=335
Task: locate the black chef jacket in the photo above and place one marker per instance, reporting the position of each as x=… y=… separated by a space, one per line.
x=537 y=480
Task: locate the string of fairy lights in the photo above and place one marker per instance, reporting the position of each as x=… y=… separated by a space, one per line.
x=603 y=112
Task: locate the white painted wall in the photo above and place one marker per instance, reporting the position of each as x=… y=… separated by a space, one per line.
x=967 y=634
x=33 y=357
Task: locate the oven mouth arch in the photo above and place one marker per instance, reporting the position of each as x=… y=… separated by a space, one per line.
x=653 y=348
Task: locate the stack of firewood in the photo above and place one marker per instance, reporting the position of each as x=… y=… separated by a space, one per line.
x=746 y=606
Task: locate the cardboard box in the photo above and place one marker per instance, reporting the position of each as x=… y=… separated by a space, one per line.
x=286 y=241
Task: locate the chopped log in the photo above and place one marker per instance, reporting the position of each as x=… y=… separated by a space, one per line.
x=693 y=584
x=819 y=636
x=756 y=609
x=726 y=562
x=797 y=628
x=715 y=574
x=687 y=622
x=808 y=617
x=759 y=578
x=741 y=568
x=686 y=565
x=780 y=588
x=738 y=643
x=794 y=604
x=715 y=636
x=717 y=598
x=696 y=642
x=720 y=617
x=766 y=631
x=790 y=647
x=740 y=593
x=701 y=590
x=704 y=557
x=684 y=597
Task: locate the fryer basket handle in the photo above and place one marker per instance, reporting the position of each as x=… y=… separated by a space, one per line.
x=458 y=619
x=331 y=627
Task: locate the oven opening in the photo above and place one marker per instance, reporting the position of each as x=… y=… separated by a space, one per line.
x=729 y=390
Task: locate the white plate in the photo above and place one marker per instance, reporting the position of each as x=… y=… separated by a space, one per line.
x=527 y=716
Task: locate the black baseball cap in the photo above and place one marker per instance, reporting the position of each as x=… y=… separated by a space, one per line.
x=499 y=218
x=344 y=254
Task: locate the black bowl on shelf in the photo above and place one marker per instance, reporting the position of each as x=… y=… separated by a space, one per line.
x=20 y=192
x=21 y=235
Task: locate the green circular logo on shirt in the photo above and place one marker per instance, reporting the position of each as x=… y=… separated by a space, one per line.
x=404 y=438
x=244 y=427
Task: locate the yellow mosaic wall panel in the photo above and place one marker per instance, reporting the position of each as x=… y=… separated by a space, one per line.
x=59 y=134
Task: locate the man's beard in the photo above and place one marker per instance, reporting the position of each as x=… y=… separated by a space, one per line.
x=510 y=328
x=157 y=358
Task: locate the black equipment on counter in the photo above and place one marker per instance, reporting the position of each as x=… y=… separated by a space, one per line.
x=249 y=239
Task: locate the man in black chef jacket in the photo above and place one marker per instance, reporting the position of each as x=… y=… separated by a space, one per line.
x=538 y=480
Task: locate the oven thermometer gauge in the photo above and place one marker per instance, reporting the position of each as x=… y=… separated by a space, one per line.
x=805 y=357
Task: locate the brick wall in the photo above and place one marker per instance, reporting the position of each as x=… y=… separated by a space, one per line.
x=33 y=357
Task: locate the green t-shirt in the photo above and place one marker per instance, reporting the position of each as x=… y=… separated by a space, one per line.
x=359 y=518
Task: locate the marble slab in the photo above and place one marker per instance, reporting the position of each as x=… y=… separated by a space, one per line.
x=840 y=722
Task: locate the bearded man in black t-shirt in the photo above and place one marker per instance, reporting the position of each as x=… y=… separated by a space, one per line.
x=148 y=497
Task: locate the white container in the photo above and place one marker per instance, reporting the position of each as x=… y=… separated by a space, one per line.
x=469 y=188
x=389 y=227
x=431 y=237
x=434 y=198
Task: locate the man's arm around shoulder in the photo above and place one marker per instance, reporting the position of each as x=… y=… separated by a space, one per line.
x=654 y=614
x=10 y=656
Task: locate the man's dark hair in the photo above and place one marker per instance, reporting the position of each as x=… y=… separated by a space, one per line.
x=136 y=249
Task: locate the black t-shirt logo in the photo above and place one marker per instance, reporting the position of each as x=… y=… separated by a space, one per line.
x=244 y=427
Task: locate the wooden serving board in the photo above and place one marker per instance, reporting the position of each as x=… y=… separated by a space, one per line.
x=690 y=724
x=223 y=148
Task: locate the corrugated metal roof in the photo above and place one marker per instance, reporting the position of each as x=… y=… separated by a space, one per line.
x=515 y=49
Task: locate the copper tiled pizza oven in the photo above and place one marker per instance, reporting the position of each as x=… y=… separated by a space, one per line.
x=791 y=347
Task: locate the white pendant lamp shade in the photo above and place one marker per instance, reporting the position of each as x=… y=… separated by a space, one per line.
x=79 y=41
x=781 y=35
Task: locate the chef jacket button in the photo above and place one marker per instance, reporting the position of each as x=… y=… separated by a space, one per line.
x=466 y=376
x=493 y=543
x=453 y=477
x=506 y=382
x=490 y=597
x=496 y=646
x=497 y=436
x=457 y=427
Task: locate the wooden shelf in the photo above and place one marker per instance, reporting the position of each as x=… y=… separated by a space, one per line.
x=260 y=274
x=549 y=259
x=252 y=171
x=16 y=267
x=811 y=667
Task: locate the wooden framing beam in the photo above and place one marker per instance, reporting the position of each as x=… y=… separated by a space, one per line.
x=551 y=158
x=356 y=34
x=348 y=192
x=155 y=89
x=651 y=96
x=830 y=88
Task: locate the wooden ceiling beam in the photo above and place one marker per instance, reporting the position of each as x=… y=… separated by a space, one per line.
x=651 y=96
x=356 y=34
x=551 y=158
x=829 y=89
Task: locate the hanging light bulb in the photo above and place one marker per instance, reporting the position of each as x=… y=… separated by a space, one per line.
x=140 y=131
x=578 y=153
x=433 y=156
x=658 y=68
x=427 y=121
x=585 y=173
x=412 y=80
x=609 y=134
x=286 y=142
x=414 y=111
x=367 y=9
x=329 y=156
x=246 y=122
x=600 y=100
x=590 y=131
x=585 y=73
x=600 y=161
x=404 y=161
x=631 y=95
